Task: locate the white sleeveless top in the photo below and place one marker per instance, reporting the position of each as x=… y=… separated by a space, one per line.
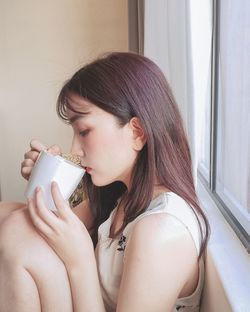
x=110 y=252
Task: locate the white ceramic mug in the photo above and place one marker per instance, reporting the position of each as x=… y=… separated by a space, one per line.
x=49 y=168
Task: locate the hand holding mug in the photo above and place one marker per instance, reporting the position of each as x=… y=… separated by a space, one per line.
x=49 y=168
x=31 y=156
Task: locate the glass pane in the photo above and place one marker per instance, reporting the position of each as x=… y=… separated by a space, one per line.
x=233 y=137
x=204 y=162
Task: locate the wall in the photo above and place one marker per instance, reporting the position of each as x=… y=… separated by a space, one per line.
x=42 y=43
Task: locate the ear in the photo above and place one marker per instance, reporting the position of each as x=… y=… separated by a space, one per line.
x=139 y=137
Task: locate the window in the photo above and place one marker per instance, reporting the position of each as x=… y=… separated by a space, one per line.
x=224 y=164
x=203 y=48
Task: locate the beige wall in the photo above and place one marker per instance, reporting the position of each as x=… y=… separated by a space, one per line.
x=41 y=44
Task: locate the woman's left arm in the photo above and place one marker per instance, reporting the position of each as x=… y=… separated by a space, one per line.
x=69 y=238
x=159 y=259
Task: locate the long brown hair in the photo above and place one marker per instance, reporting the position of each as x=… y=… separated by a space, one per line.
x=129 y=85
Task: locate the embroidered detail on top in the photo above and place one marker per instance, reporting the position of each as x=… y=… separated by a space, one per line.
x=122 y=243
x=180 y=307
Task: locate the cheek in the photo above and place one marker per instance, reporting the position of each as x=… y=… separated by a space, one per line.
x=109 y=148
x=117 y=142
x=112 y=158
x=119 y=152
x=104 y=141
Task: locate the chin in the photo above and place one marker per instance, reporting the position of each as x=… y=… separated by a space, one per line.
x=101 y=182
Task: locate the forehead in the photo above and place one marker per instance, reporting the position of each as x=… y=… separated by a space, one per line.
x=78 y=104
x=78 y=107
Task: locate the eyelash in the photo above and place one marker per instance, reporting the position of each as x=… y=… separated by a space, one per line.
x=84 y=133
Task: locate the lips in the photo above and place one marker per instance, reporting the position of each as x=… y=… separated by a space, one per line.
x=88 y=169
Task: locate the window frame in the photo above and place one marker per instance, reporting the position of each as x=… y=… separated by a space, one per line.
x=211 y=183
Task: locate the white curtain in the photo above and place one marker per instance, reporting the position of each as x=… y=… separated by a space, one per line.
x=169 y=40
x=201 y=30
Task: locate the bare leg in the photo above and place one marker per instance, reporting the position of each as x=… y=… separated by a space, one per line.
x=32 y=277
x=7 y=207
x=18 y=291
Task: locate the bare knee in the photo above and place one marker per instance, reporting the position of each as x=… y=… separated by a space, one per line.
x=11 y=205
x=6 y=208
x=22 y=247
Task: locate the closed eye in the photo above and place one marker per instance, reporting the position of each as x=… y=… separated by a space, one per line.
x=84 y=133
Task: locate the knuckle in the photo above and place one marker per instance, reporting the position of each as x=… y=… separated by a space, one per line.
x=29 y=162
x=33 y=143
x=32 y=156
x=36 y=223
x=25 y=164
x=36 y=145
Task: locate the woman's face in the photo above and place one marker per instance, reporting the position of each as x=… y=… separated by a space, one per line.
x=106 y=148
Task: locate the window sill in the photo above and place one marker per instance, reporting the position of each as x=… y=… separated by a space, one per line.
x=227 y=283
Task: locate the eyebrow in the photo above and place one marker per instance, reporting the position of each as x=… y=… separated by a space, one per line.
x=78 y=116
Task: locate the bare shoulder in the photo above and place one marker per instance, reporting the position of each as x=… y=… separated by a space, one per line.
x=164 y=229
x=163 y=235
x=160 y=260
x=26 y=259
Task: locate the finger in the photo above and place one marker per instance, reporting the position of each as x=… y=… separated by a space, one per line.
x=45 y=214
x=26 y=171
x=25 y=176
x=54 y=150
x=36 y=145
x=31 y=155
x=39 y=224
x=27 y=163
x=62 y=206
x=26 y=168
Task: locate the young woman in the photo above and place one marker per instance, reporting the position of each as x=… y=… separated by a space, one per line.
x=136 y=243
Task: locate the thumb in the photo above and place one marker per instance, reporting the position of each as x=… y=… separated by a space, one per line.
x=36 y=145
x=54 y=150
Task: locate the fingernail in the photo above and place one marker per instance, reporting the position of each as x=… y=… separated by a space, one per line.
x=53 y=183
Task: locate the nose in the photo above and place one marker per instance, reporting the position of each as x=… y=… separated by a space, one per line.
x=76 y=147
